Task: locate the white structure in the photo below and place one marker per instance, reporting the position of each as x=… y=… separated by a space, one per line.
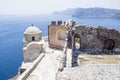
x=33 y=46
x=32 y=34
x=33 y=43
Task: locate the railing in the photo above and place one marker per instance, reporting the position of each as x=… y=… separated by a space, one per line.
x=27 y=72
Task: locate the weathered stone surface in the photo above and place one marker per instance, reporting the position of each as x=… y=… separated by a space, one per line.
x=92 y=39
x=91 y=72
x=98 y=38
x=56 y=35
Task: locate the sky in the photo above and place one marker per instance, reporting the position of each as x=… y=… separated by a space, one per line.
x=36 y=7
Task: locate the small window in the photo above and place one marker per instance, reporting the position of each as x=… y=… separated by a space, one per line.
x=33 y=38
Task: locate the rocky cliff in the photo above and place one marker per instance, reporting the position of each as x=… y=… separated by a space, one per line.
x=91 y=13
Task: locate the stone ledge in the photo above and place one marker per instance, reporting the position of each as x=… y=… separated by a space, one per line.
x=31 y=68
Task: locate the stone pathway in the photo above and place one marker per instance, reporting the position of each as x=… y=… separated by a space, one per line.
x=46 y=69
x=91 y=72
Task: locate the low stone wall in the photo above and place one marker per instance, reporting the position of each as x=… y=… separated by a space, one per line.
x=24 y=75
x=45 y=38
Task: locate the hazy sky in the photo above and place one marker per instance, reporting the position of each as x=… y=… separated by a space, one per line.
x=28 y=7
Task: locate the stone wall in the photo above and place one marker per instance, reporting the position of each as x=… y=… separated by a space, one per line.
x=32 y=51
x=97 y=38
x=28 y=70
x=91 y=38
x=56 y=35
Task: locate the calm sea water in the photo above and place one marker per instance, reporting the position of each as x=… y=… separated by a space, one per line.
x=11 y=37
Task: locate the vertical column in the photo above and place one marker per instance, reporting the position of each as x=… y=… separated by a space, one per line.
x=70 y=42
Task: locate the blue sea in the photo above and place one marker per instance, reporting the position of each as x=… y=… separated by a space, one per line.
x=11 y=37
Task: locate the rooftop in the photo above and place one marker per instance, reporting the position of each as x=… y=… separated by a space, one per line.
x=32 y=30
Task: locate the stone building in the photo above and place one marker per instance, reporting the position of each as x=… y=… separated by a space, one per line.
x=83 y=38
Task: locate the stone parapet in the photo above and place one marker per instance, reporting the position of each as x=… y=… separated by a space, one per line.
x=27 y=72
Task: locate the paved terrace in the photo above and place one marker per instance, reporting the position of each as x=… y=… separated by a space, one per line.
x=91 y=67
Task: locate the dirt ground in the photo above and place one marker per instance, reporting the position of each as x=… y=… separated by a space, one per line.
x=98 y=59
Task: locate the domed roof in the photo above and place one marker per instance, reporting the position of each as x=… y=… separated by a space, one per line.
x=32 y=30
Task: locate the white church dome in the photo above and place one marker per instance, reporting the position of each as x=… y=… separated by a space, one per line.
x=32 y=30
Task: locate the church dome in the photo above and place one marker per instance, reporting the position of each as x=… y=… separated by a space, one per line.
x=32 y=30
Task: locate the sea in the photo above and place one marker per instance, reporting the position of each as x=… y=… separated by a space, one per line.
x=12 y=28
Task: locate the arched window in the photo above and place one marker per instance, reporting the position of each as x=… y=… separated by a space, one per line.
x=109 y=44
x=61 y=35
x=77 y=41
x=33 y=38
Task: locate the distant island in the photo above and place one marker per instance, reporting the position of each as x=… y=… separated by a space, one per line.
x=91 y=13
